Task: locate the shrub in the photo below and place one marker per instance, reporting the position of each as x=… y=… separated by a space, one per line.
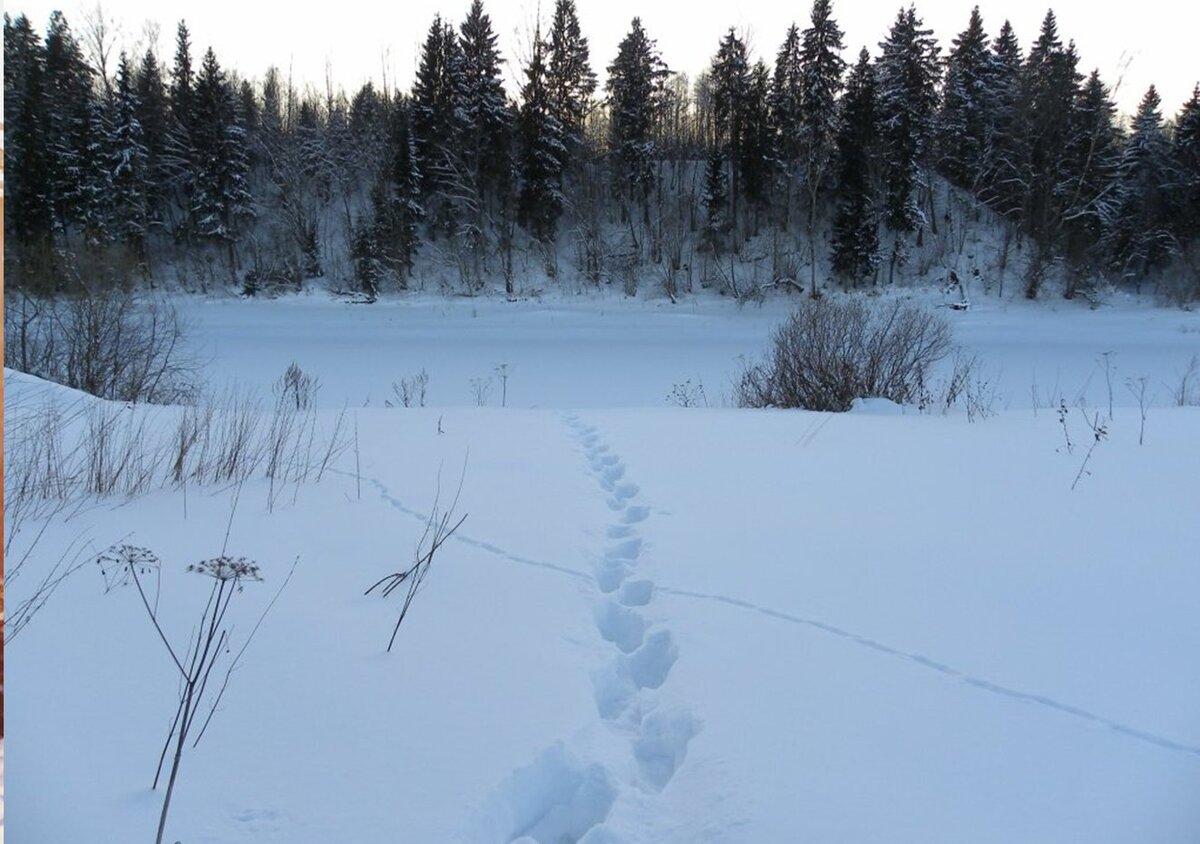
x=109 y=343
x=828 y=353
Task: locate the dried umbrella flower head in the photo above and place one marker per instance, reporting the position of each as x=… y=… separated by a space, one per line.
x=117 y=562
x=235 y=569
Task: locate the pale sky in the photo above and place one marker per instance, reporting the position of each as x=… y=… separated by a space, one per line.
x=1151 y=41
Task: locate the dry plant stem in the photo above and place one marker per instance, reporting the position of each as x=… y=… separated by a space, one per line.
x=439 y=527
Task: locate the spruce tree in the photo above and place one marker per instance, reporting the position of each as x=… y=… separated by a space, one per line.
x=1085 y=189
x=437 y=117
x=855 y=249
x=405 y=211
x=1187 y=167
x=179 y=159
x=154 y=116
x=1005 y=151
x=28 y=214
x=966 y=110
x=907 y=79
x=72 y=115
x=786 y=96
x=730 y=77
x=716 y=203
x=757 y=149
x=1049 y=86
x=220 y=203
x=569 y=76
x=635 y=86
x=130 y=165
x=541 y=150
x=486 y=130
x=1141 y=226
x=95 y=202
x=822 y=65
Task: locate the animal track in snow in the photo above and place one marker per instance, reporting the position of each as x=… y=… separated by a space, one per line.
x=620 y=625
x=627 y=550
x=556 y=798
x=662 y=745
x=636 y=593
x=633 y=515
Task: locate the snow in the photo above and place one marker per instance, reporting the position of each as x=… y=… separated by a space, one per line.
x=587 y=352
x=657 y=623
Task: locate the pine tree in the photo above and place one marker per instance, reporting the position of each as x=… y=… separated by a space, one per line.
x=1141 y=227
x=822 y=66
x=130 y=165
x=966 y=110
x=855 y=249
x=221 y=202
x=635 y=91
x=569 y=76
x=906 y=78
x=486 y=129
x=541 y=150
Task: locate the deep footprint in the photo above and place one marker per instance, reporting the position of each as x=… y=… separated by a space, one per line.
x=620 y=625
x=662 y=745
x=636 y=593
x=650 y=664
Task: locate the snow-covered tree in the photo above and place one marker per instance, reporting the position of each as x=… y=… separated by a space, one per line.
x=786 y=96
x=220 y=202
x=906 y=77
x=821 y=79
x=437 y=111
x=855 y=249
x=1005 y=151
x=635 y=85
x=965 y=116
x=72 y=118
x=1086 y=189
x=1049 y=85
x=569 y=76
x=541 y=150
x=131 y=184
x=716 y=203
x=486 y=130
x=730 y=79
x=1141 y=226
x=1187 y=165
x=29 y=213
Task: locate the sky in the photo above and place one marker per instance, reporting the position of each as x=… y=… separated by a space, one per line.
x=1152 y=41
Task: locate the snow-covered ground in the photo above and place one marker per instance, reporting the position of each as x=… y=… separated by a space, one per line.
x=657 y=623
x=609 y=352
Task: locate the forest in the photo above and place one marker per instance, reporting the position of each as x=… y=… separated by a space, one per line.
x=912 y=161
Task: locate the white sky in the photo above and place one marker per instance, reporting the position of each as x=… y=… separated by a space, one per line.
x=1148 y=41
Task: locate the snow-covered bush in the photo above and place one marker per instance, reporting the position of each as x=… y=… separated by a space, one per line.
x=830 y=352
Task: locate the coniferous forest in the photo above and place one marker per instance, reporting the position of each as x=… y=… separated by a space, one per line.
x=822 y=165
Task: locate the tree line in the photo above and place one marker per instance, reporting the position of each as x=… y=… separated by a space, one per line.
x=828 y=168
